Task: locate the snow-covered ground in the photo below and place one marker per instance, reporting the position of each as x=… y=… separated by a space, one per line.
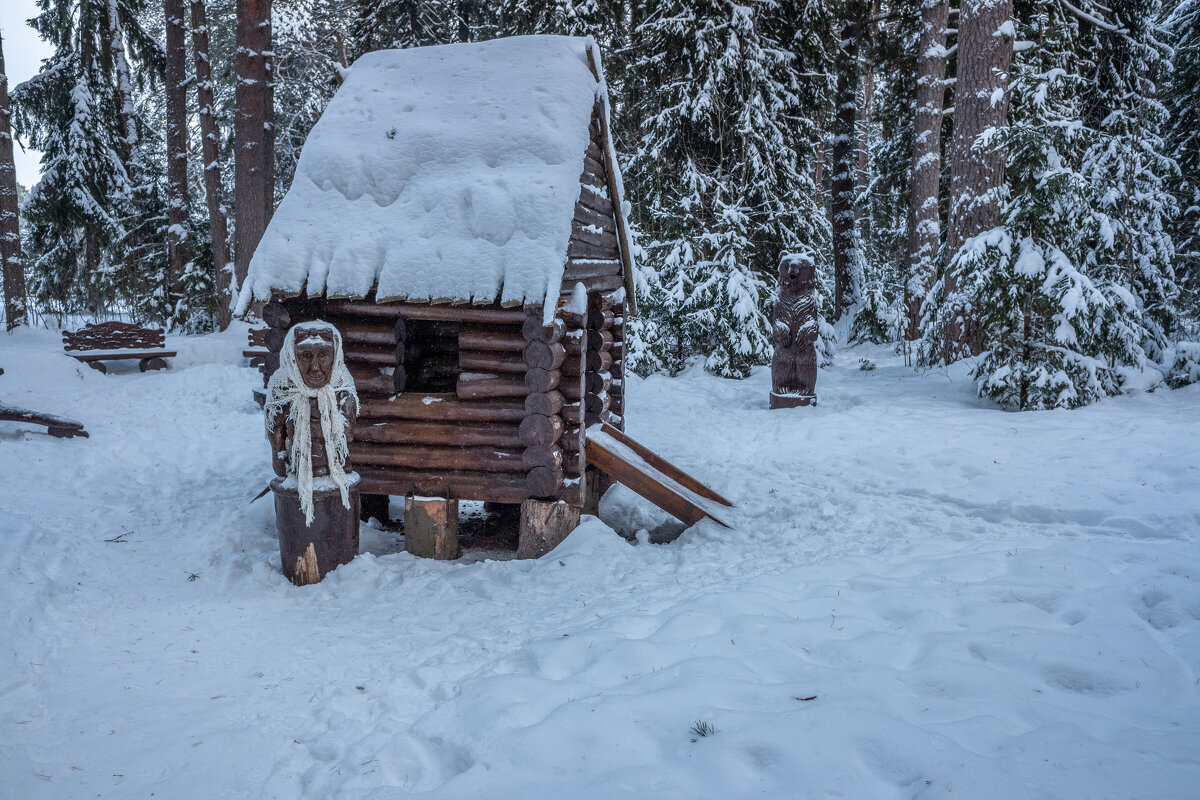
x=921 y=597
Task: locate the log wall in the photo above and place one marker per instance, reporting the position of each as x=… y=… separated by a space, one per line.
x=513 y=396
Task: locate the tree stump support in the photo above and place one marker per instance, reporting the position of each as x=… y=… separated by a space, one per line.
x=431 y=528
x=544 y=525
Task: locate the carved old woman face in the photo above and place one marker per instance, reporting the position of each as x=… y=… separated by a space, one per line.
x=314 y=356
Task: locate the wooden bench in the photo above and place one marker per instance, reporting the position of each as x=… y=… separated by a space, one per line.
x=256 y=350
x=112 y=341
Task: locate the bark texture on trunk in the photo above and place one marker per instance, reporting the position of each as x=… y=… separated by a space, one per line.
x=924 y=222
x=177 y=188
x=116 y=45
x=845 y=145
x=253 y=140
x=10 y=229
x=210 y=141
x=977 y=179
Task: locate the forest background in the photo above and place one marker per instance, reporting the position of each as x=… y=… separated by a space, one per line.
x=1013 y=181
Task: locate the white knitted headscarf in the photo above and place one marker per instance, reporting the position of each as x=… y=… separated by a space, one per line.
x=287 y=392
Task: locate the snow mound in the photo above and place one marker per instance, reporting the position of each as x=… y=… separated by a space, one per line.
x=442 y=173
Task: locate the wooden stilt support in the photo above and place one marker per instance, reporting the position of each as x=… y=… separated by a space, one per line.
x=431 y=528
x=591 y=492
x=543 y=526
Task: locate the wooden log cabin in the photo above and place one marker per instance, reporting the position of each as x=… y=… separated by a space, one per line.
x=457 y=214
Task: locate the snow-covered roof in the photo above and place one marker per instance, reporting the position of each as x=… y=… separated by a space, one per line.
x=445 y=173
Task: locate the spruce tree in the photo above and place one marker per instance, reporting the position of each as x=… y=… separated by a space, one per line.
x=1182 y=100
x=716 y=174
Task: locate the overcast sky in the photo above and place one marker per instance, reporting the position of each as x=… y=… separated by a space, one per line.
x=23 y=54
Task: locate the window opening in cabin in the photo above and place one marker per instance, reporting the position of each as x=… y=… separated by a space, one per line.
x=431 y=356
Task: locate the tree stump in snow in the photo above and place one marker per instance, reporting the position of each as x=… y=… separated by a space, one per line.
x=544 y=525
x=794 y=363
x=309 y=552
x=431 y=528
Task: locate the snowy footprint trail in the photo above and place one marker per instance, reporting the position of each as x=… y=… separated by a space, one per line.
x=921 y=597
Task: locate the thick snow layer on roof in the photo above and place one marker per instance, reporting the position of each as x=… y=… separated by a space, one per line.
x=443 y=173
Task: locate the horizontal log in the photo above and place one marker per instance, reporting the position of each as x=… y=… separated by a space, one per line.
x=596 y=403
x=544 y=355
x=572 y=391
x=481 y=386
x=369 y=380
x=596 y=202
x=544 y=482
x=491 y=361
x=572 y=440
x=603 y=283
x=422 y=330
x=505 y=339
x=542 y=380
x=589 y=178
x=600 y=340
x=533 y=329
x=597 y=382
x=374 y=355
x=548 y=457
x=446 y=434
x=483 y=459
x=546 y=403
x=575 y=342
x=573 y=367
x=276 y=315
x=363 y=332
x=451 y=484
x=572 y=320
x=435 y=313
x=594 y=165
x=412 y=405
x=593 y=235
x=588 y=262
x=600 y=319
x=599 y=361
x=586 y=216
x=538 y=430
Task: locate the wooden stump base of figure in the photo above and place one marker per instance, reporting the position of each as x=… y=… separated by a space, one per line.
x=309 y=552
x=792 y=400
x=544 y=525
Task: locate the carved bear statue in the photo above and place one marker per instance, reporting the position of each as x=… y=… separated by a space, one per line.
x=794 y=363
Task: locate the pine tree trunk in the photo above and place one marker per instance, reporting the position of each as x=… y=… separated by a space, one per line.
x=210 y=140
x=253 y=141
x=11 y=267
x=845 y=240
x=977 y=179
x=116 y=45
x=177 y=188
x=924 y=221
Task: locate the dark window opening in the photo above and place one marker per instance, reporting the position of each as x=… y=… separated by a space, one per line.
x=430 y=356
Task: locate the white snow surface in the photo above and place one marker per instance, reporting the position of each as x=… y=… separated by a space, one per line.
x=443 y=173
x=980 y=604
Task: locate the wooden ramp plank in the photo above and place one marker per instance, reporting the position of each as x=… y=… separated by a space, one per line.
x=626 y=464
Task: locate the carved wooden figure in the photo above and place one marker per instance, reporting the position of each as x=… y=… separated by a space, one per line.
x=311 y=409
x=794 y=364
